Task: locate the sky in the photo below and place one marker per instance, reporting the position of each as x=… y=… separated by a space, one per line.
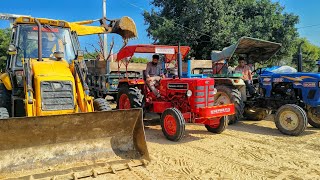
x=72 y=10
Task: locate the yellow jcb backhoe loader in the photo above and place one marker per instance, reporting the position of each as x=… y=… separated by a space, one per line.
x=50 y=127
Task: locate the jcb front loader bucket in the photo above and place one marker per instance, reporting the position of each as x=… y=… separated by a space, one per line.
x=72 y=146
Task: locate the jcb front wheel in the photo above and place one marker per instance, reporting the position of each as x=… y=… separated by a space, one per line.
x=4 y=113
x=101 y=104
x=291 y=120
x=172 y=124
x=219 y=128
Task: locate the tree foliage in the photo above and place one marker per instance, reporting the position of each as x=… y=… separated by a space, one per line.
x=310 y=55
x=207 y=25
x=4 y=44
x=139 y=60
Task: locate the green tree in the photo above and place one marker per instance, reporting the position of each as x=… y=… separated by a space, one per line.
x=4 y=44
x=310 y=55
x=139 y=60
x=207 y=25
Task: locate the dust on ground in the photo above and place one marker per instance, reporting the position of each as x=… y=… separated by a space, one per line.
x=247 y=150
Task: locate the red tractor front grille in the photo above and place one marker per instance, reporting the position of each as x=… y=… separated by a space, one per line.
x=204 y=96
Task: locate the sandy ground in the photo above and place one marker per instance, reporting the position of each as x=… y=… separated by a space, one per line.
x=247 y=150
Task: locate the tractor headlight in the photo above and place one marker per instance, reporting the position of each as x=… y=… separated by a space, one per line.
x=319 y=84
x=189 y=93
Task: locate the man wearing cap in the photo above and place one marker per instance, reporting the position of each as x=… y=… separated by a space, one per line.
x=154 y=74
x=246 y=75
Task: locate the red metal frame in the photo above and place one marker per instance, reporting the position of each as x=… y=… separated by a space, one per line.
x=128 y=51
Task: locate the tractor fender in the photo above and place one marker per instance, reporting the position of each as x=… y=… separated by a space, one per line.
x=5 y=79
x=130 y=82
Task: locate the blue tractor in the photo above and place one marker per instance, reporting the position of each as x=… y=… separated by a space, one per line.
x=293 y=96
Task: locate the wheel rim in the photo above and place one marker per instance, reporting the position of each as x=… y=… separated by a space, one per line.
x=221 y=98
x=124 y=102
x=289 y=120
x=313 y=116
x=170 y=125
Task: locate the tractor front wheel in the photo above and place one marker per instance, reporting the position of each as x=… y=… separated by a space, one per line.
x=172 y=124
x=219 y=128
x=313 y=117
x=291 y=120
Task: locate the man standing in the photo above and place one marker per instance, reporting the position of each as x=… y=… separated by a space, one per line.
x=246 y=75
x=154 y=74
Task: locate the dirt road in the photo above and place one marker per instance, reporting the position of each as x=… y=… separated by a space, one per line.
x=248 y=150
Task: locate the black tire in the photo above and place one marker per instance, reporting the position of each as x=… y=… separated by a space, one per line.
x=313 y=118
x=222 y=126
x=5 y=97
x=179 y=129
x=301 y=124
x=4 y=113
x=134 y=94
x=235 y=97
x=256 y=114
x=101 y=104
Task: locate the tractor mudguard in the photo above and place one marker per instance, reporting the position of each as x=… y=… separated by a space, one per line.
x=73 y=145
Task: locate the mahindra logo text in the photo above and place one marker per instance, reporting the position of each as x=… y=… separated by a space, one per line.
x=224 y=110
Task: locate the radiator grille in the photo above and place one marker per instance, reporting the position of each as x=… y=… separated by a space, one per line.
x=57 y=95
x=204 y=96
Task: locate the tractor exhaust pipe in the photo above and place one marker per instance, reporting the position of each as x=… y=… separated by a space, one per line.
x=179 y=62
x=39 y=39
x=300 y=57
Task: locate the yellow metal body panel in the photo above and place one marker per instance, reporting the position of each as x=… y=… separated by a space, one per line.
x=30 y=20
x=87 y=30
x=5 y=79
x=52 y=70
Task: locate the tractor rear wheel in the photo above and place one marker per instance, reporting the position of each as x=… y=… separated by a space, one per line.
x=291 y=120
x=256 y=114
x=130 y=98
x=4 y=113
x=219 y=128
x=101 y=104
x=313 y=117
x=173 y=124
x=229 y=95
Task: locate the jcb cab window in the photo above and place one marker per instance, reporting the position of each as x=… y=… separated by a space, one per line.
x=53 y=39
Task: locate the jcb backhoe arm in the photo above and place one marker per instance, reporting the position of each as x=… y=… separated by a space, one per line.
x=125 y=27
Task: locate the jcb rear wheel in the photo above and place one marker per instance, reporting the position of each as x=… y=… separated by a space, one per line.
x=313 y=117
x=4 y=113
x=219 y=128
x=101 y=105
x=291 y=120
x=172 y=124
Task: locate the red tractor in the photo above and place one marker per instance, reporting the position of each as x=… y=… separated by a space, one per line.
x=184 y=100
